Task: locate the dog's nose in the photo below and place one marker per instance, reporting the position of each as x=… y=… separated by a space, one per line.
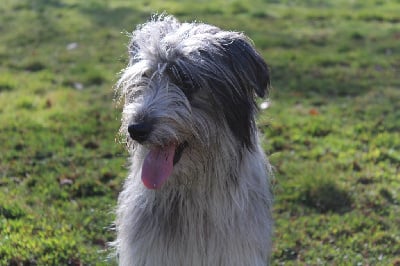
x=139 y=131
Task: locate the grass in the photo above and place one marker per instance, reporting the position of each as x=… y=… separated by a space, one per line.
x=331 y=131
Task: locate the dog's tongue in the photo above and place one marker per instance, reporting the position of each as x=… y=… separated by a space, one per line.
x=158 y=166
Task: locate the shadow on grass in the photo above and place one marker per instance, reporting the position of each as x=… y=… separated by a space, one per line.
x=122 y=18
x=326 y=197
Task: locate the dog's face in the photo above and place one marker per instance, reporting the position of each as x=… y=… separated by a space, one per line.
x=188 y=85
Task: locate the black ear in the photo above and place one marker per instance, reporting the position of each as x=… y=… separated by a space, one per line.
x=248 y=65
x=235 y=73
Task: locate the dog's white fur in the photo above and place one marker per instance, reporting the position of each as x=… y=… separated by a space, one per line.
x=215 y=208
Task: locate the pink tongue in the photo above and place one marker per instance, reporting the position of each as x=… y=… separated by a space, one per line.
x=158 y=166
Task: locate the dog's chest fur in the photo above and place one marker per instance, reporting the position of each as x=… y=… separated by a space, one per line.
x=190 y=225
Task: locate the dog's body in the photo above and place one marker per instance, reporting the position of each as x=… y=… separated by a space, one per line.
x=198 y=189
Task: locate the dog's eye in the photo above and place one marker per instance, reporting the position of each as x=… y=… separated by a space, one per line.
x=187 y=87
x=182 y=80
x=133 y=95
x=145 y=75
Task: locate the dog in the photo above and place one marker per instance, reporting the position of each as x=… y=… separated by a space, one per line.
x=198 y=190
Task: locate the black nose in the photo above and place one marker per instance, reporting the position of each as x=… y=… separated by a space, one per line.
x=140 y=131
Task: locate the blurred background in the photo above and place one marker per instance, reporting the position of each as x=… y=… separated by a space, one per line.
x=331 y=126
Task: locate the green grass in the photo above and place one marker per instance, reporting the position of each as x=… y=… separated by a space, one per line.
x=331 y=132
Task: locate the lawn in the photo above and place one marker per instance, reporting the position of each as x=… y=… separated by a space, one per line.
x=332 y=128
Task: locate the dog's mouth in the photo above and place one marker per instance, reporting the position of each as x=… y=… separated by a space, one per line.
x=159 y=164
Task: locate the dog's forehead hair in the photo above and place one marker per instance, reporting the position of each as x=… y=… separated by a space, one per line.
x=164 y=39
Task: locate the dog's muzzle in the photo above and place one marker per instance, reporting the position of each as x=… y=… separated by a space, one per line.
x=160 y=160
x=140 y=131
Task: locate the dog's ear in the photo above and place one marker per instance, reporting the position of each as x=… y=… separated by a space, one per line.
x=248 y=65
x=236 y=72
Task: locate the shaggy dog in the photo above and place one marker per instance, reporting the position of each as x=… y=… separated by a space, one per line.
x=198 y=191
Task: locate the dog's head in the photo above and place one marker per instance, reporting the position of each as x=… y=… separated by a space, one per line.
x=188 y=84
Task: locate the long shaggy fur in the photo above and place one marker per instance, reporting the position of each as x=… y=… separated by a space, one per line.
x=194 y=85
